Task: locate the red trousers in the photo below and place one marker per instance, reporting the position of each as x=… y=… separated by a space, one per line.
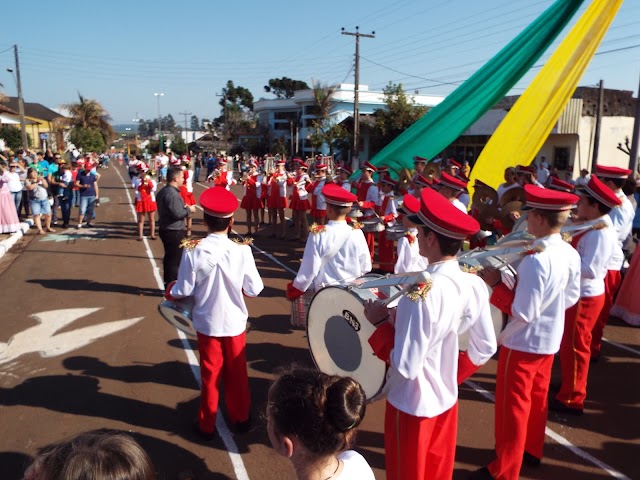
x=226 y=355
x=386 y=252
x=522 y=385
x=611 y=285
x=371 y=239
x=575 y=349
x=420 y=448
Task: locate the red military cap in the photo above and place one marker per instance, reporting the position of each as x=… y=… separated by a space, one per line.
x=452 y=182
x=222 y=161
x=410 y=204
x=479 y=183
x=336 y=195
x=560 y=185
x=344 y=168
x=603 y=194
x=281 y=162
x=321 y=166
x=90 y=165
x=418 y=159
x=218 y=202
x=452 y=163
x=548 y=199
x=612 y=172
x=370 y=166
x=298 y=161
x=423 y=181
x=525 y=169
x=383 y=169
x=443 y=217
x=388 y=180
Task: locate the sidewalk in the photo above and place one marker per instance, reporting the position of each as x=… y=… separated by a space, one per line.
x=9 y=240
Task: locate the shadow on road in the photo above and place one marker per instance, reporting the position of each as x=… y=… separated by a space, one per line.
x=74 y=284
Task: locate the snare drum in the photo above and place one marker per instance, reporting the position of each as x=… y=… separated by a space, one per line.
x=178 y=314
x=396 y=232
x=300 y=307
x=338 y=334
x=372 y=225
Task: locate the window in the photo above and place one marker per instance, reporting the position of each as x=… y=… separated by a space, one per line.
x=289 y=116
x=561 y=158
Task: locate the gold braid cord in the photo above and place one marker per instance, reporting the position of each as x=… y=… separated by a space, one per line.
x=189 y=244
x=419 y=292
x=532 y=251
x=244 y=241
x=316 y=229
x=357 y=225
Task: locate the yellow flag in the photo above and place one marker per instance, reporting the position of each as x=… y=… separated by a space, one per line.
x=526 y=127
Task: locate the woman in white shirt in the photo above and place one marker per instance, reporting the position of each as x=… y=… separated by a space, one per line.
x=312 y=419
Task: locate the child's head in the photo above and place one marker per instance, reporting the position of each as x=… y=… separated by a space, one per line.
x=98 y=456
x=320 y=412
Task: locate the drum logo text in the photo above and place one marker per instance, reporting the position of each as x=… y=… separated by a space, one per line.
x=351 y=320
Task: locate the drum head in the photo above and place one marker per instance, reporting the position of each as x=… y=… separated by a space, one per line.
x=338 y=335
x=178 y=315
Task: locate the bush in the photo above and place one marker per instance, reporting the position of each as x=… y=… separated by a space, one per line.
x=89 y=139
x=12 y=136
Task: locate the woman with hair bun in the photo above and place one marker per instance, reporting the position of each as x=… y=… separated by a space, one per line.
x=312 y=419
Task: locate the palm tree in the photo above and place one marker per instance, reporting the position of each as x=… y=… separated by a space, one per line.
x=90 y=114
x=322 y=94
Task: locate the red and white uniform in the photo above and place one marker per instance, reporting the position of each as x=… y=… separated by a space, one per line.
x=318 y=202
x=386 y=252
x=277 y=196
x=548 y=284
x=409 y=258
x=225 y=179
x=367 y=192
x=186 y=190
x=251 y=200
x=299 y=193
x=346 y=184
x=145 y=189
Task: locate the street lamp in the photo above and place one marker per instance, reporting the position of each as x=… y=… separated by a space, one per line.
x=158 y=95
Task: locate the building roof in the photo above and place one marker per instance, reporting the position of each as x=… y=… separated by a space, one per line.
x=34 y=110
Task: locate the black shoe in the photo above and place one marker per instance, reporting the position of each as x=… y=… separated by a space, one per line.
x=480 y=474
x=530 y=460
x=556 y=405
x=594 y=359
x=89 y=224
x=243 y=427
x=204 y=436
x=65 y=225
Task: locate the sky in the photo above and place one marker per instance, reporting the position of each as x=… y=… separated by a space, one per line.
x=122 y=52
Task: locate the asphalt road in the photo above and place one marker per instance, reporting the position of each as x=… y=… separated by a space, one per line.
x=83 y=348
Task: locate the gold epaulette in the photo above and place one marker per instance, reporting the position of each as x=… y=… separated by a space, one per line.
x=316 y=229
x=356 y=225
x=410 y=237
x=566 y=236
x=469 y=269
x=244 y=241
x=189 y=243
x=532 y=251
x=420 y=291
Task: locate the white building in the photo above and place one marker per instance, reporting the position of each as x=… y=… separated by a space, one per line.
x=294 y=117
x=570 y=144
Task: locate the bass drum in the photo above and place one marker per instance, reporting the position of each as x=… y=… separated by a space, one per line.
x=338 y=334
x=178 y=314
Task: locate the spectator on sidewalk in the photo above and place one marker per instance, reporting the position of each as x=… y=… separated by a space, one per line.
x=15 y=185
x=37 y=185
x=9 y=222
x=87 y=183
x=24 y=202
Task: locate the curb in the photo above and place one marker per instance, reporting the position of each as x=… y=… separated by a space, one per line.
x=6 y=244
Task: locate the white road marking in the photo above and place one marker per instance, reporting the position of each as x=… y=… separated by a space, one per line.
x=221 y=425
x=43 y=339
x=623 y=347
x=558 y=438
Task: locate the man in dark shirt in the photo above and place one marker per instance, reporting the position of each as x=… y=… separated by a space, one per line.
x=172 y=212
x=87 y=182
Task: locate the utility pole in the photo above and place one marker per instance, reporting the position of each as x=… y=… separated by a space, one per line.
x=635 y=140
x=224 y=111
x=596 y=140
x=23 y=125
x=158 y=95
x=355 y=161
x=185 y=128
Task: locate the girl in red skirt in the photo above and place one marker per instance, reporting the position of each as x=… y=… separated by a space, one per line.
x=277 y=199
x=186 y=190
x=145 y=187
x=251 y=202
x=300 y=200
x=318 y=202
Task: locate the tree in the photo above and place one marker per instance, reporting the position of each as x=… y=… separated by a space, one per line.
x=236 y=98
x=204 y=123
x=400 y=113
x=326 y=132
x=12 y=137
x=195 y=123
x=284 y=87
x=89 y=115
x=89 y=139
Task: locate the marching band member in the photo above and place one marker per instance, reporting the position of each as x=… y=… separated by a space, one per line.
x=381 y=173
x=318 y=202
x=452 y=167
x=145 y=188
x=251 y=201
x=334 y=252
x=420 y=182
x=596 y=248
x=218 y=273
x=526 y=175
x=409 y=258
x=261 y=189
x=560 y=185
x=186 y=190
x=368 y=200
x=343 y=181
x=225 y=177
x=300 y=199
x=277 y=199
x=421 y=347
x=451 y=188
x=419 y=165
x=622 y=219
x=389 y=213
x=548 y=284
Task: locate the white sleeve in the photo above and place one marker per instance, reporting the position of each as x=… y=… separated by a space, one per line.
x=252 y=284
x=413 y=328
x=365 y=255
x=404 y=255
x=310 y=266
x=482 y=336
x=186 y=282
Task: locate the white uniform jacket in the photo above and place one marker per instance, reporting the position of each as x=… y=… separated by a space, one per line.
x=351 y=261
x=422 y=376
x=548 y=284
x=622 y=220
x=596 y=248
x=409 y=258
x=217 y=272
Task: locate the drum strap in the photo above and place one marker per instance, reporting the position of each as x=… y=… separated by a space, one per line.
x=461 y=305
x=337 y=245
